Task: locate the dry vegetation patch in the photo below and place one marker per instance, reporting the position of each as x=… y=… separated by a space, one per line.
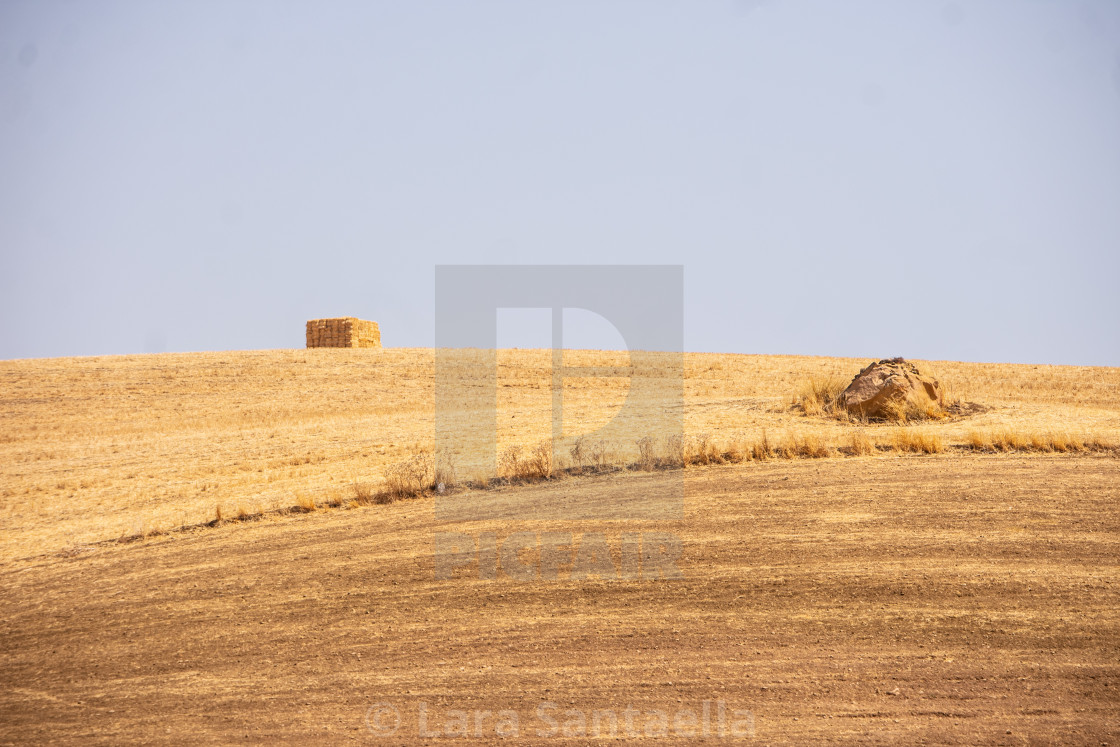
x=104 y=447
x=1007 y=439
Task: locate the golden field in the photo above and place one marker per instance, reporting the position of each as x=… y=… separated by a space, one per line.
x=104 y=447
x=968 y=596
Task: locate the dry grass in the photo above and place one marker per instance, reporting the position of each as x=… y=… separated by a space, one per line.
x=409 y=478
x=915 y=407
x=860 y=444
x=420 y=474
x=702 y=449
x=95 y=447
x=818 y=395
x=1007 y=440
x=913 y=441
x=762 y=449
x=808 y=446
x=647 y=457
x=364 y=492
x=518 y=464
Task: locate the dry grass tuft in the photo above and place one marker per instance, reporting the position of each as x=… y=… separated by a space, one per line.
x=812 y=446
x=363 y=493
x=979 y=440
x=306 y=503
x=1100 y=443
x=1039 y=442
x=910 y=441
x=762 y=449
x=818 y=396
x=860 y=444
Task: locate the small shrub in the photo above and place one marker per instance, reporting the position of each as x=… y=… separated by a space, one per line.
x=601 y=455
x=647 y=460
x=674 y=450
x=511 y=462
x=409 y=478
x=540 y=462
x=579 y=453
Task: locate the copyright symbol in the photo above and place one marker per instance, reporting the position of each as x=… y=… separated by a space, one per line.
x=383 y=719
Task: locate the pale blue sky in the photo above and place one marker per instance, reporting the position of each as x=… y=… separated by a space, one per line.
x=927 y=179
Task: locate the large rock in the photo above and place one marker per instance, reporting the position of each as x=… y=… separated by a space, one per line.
x=878 y=390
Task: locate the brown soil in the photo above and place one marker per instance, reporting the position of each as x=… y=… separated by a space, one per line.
x=946 y=599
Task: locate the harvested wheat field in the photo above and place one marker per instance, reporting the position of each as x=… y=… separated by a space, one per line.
x=194 y=550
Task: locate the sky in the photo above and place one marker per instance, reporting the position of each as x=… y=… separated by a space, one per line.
x=927 y=179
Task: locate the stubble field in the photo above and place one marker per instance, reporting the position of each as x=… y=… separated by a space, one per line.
x=959 y=597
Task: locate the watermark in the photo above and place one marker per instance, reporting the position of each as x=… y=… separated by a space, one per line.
x=557 y=556
x=702 y=719
x=643 y=307
x=643 y=303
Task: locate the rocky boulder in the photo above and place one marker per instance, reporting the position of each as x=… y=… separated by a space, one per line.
x=881 y=389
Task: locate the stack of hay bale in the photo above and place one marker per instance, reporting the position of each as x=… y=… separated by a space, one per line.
x=343 y=332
